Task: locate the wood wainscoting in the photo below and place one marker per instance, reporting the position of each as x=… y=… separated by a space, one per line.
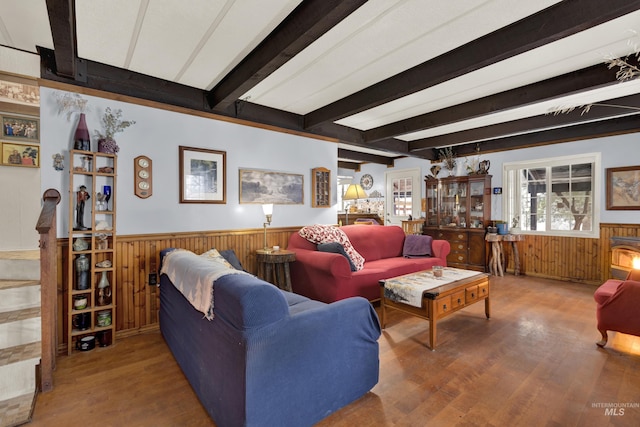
x=137 y=302
x=573 y=259
x=579 y=260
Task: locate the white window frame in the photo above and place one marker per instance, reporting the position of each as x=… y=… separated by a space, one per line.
x=511 y=180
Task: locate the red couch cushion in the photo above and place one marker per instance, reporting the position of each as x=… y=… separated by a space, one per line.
x=376 y=242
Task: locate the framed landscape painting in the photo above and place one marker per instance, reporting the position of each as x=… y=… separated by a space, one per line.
x=202 y=175
x=258 y=186
x=623 y=188
x=20 y=128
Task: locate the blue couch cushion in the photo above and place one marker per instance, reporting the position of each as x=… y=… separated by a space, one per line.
x=336 y=248
x=232 y=259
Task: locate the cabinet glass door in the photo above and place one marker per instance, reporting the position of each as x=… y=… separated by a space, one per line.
x=453 y=209
x=476 y=204
x=432 y=202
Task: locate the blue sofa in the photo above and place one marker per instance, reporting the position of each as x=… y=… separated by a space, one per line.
x=270 y=357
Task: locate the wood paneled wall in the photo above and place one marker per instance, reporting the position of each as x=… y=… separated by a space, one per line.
x=565 y=258
x=573 y=259
x=137 y=256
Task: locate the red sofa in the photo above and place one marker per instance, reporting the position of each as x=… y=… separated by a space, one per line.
x=326 y=277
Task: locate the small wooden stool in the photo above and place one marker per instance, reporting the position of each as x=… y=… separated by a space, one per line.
x=275 y=264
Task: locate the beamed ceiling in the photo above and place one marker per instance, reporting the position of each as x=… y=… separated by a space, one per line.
x=383 y=78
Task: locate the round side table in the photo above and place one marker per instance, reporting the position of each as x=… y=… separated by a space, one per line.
x=273 y=267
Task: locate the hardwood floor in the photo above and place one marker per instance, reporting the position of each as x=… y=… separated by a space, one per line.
x=534 y=363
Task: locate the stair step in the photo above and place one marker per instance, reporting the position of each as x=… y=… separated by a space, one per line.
x=17 y=410
x=19 y=269
x=17 y=295
x=20 y=352
x=18 y=378
x=20 y=327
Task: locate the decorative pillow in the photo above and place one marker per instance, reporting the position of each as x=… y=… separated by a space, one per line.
x=417 y=245
x=336 y=248
x=319 y=233
x=232 y=259
x=214 y=255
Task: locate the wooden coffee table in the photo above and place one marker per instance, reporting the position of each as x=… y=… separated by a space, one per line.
x=440 y=301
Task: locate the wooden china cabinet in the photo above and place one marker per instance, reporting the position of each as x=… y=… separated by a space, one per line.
x=458 y=209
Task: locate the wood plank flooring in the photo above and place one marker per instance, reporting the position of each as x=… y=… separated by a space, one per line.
x=534 y=363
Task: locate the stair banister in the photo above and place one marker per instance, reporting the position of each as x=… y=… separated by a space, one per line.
x=46 y=227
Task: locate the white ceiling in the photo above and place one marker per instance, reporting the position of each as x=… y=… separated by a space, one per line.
x=197 y=42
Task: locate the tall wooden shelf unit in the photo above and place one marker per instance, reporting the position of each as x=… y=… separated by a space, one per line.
x=320 y=188
x=98 y=318
x=458 y=209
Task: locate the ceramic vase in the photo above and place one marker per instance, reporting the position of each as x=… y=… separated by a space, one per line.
x=82 y=272
x=108 y=146
x=104 y=290
x=81 y=140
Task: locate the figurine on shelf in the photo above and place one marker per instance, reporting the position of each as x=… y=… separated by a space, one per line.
x=82 y=196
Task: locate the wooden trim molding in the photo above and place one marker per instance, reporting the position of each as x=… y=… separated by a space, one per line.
x=581 y=260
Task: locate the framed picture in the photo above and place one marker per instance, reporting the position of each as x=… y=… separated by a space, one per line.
x=26 y=155
x=257 y=186
x=20 y=128
x=21 y=91
x=202 y=175
x=623 y=188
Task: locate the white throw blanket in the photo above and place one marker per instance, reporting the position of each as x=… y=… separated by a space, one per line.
x=195 y=277
x=408 y=289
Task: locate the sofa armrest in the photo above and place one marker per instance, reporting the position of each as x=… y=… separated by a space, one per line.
x=321 y=264
x=440 y=249
x=334 y=347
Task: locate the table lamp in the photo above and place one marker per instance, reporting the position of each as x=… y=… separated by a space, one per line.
x=354 y=192
x=268 y=213
x=634 y=273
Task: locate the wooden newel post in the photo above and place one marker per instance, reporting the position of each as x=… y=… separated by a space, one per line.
x=46 y=226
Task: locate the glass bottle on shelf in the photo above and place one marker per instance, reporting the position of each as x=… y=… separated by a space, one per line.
x=82 y=272
x=104 y=290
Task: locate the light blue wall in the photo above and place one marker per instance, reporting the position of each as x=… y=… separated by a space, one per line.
x=616 y=151
x=157 y=134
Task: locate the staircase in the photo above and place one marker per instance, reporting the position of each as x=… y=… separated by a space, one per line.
x=20 y=335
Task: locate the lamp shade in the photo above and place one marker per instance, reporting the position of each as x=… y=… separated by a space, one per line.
x=267 y=209
x=354 y=192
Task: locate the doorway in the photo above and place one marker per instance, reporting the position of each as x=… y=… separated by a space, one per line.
x=402 y=195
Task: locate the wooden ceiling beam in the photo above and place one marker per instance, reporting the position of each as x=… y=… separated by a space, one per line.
x=62 y=19
x=551 y=24
x=364 y=157
x=308 y=22
x=578 y=81
x=349 y=165
x=529 y=124
x=599 y=129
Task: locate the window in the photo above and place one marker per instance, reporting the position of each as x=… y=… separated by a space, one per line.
x=554 y=196
x=402 y=202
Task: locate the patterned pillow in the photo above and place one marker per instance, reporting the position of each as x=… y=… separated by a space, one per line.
x=319 y=233
x=214 y=255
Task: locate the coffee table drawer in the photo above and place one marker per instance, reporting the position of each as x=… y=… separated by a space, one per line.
x=457 y=300
x=471 y=294
x=443 y=306
x=483 y=290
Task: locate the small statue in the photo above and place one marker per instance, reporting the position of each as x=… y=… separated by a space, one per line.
x=81 y=197
x=58 y=163
x=435 y=170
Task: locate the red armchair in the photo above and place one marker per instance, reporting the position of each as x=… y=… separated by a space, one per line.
x=618 y=307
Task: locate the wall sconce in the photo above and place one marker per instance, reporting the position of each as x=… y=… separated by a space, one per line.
x=268 y=213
